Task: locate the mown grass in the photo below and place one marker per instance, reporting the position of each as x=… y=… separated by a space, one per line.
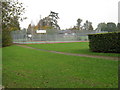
x=28 y=68
x=76 y=47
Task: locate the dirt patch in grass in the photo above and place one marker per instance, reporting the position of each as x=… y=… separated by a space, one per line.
x=83 y=55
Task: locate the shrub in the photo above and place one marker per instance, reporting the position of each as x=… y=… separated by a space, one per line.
x=6 y=38
x=105 y=42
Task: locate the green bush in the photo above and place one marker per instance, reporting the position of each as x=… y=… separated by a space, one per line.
x=6 y=38
x=107 y=42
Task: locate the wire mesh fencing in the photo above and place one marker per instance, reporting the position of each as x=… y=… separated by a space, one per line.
x=21 y=36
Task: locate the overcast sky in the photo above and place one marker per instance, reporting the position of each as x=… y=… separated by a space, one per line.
x=95 y=11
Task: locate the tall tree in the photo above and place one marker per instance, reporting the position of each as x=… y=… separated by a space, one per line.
x=90 y=26
x=54 y=17
x=79 y=23
x=118 y=26
x=111 y=27
x=102 y=27
x=11 y=14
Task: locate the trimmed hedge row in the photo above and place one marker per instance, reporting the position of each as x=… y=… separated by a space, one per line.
x=107 y=42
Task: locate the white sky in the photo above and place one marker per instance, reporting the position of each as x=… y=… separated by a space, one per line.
x=96 y=11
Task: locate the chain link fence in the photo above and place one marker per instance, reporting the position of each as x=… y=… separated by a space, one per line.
x=21 y=36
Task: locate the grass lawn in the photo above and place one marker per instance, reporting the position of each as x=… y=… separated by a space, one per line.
x=76 y=47
x=28 y=68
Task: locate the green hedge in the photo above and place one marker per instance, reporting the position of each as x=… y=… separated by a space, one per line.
x=6 y=38
x=107 y=42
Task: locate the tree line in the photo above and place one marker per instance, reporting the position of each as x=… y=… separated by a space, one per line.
x=110 y=27
x=12 y=12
